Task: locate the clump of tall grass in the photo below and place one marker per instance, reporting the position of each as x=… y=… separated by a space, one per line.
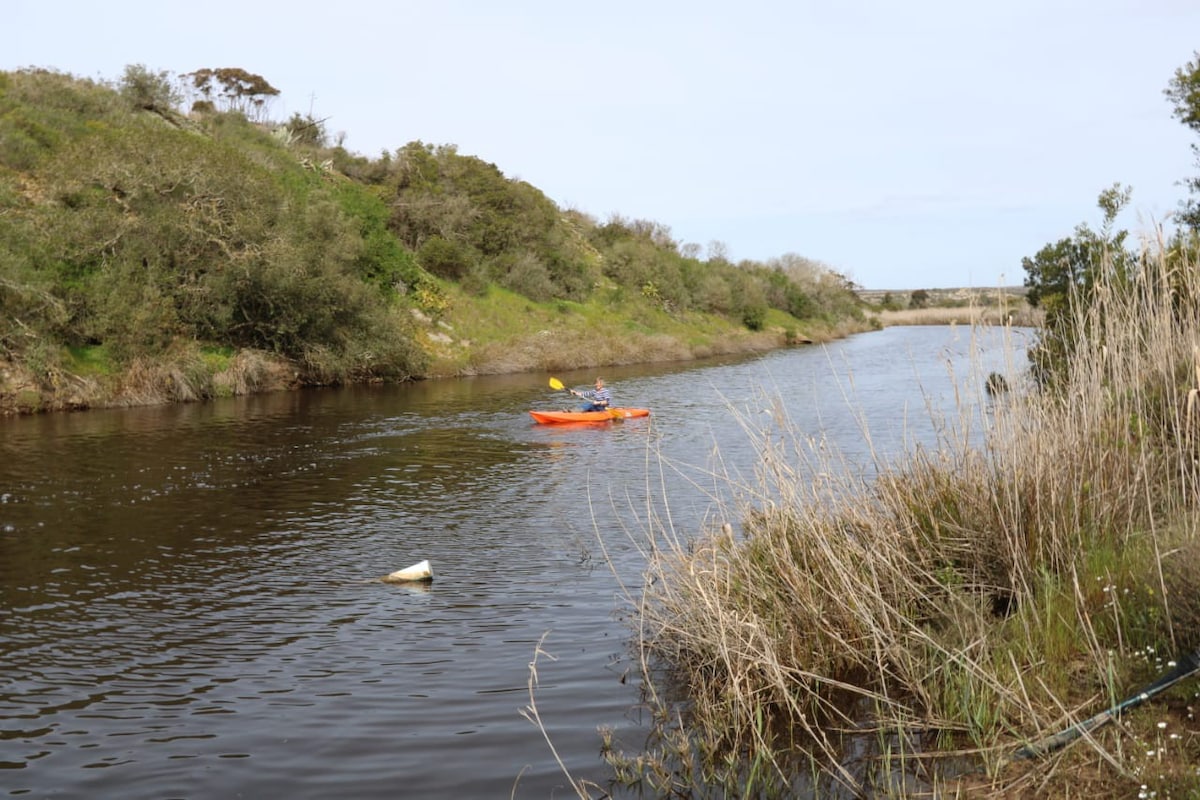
x=971 y=598
x=189 y=373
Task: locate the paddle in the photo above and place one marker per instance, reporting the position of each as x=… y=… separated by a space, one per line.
x=557 y=385
x=1186 y=667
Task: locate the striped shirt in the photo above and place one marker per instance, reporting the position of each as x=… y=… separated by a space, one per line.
x=599 y=397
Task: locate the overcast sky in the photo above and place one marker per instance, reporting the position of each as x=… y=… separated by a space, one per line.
x=923 y=144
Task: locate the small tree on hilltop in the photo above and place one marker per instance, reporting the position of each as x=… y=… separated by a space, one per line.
x=152 y=91
x=237 y=89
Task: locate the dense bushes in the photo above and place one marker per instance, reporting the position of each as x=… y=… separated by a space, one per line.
x=134 y=232
x=641 y=254
x=465 y=218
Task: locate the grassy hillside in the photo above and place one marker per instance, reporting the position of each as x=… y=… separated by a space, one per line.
x=154 y=252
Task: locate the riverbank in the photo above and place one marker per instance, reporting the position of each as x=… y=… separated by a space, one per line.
x=474 y=339
x=940 y=629
x=508 y=334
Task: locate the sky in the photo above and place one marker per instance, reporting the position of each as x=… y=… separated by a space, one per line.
x=924 y=144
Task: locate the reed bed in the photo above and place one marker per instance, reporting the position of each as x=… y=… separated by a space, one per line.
x=906 y=634
x=1019 y=313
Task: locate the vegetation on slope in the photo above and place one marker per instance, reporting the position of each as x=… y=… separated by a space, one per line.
x=151 y=253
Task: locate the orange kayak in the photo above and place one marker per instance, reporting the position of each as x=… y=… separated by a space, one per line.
x=551 y=417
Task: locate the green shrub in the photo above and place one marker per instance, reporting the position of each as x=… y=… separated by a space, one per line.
x=525 y=274
x=151 y=91
x=446 y=259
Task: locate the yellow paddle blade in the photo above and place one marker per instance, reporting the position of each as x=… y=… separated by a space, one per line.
x=555 y=383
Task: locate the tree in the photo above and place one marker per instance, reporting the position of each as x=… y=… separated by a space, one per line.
x=718 y=251
x=919 y=299
x=1184 y=93
x=152 y=91
x=306 y=130
x=240 y=90
x=1071 y=265
x=1061 y=276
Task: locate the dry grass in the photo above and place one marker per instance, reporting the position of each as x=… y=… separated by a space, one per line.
x=184 y=376
x=251 y=371
x=1019 y=314
x=969 y=600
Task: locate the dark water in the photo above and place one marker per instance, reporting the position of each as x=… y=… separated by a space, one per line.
x=187 y=605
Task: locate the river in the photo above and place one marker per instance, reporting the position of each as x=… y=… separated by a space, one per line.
x=190 y=604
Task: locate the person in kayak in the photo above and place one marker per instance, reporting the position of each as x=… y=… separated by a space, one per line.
x=599 y=399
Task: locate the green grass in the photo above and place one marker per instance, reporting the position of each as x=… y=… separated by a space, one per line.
x=89 y=361
x=217 y=359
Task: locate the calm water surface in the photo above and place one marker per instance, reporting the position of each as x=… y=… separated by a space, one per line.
x=188 y=607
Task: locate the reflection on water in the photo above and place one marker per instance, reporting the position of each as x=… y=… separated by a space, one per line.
x=191 y=604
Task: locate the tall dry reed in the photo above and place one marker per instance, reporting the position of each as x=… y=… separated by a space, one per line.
x=971 y=598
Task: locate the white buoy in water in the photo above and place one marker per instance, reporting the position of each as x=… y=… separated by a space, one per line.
x=421 y=571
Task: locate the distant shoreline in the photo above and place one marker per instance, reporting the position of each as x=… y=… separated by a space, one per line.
x=1022 y=316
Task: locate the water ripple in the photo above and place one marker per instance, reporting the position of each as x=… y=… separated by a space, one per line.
x=190 y=603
